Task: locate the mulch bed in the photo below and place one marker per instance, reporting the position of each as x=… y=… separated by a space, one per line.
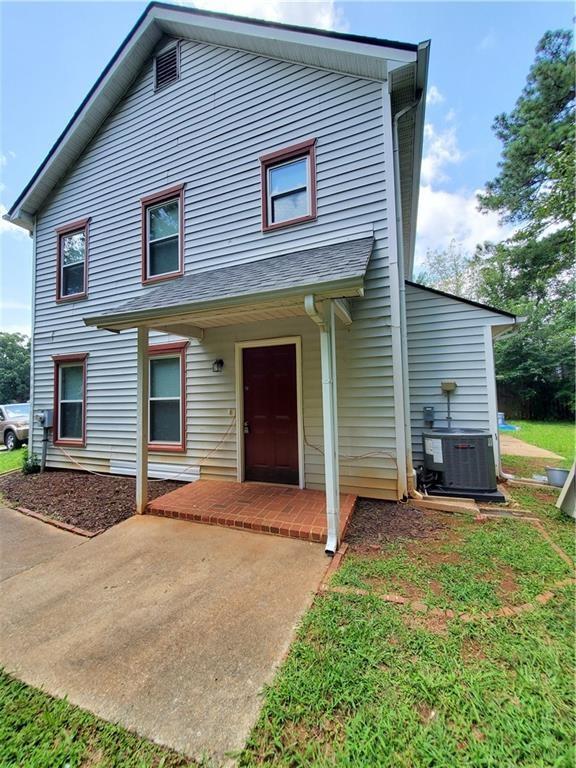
x=375 y=523
x=86 y=501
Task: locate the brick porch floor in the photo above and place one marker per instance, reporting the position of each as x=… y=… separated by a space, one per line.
x=261 y=507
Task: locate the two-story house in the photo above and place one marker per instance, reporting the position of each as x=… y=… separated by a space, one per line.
x=222 y=238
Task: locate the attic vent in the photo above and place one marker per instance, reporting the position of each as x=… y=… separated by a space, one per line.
x=166 y=67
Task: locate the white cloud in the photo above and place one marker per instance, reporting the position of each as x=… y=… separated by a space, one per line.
x=16 y=305
x=323 y=14
x=487 y=42
x=433 y=96
x=24 y=328
x=447 y=214
x=6 y=228
x=444 y=216
x=440 y=149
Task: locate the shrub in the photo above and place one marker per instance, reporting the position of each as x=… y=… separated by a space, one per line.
x=30 y=463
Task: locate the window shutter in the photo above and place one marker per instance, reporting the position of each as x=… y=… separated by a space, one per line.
x=167 y=67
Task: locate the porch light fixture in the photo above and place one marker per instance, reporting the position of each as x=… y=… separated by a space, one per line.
x=218 y=365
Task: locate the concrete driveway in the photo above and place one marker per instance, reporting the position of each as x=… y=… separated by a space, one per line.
x=167 y=627
x=25 y=542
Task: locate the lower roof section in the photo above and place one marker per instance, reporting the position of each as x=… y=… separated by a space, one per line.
x=329 y=271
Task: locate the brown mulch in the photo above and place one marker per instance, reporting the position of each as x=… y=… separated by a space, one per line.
x=92 y=502
x=374 y=523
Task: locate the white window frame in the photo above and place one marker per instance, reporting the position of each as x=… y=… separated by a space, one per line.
x=151 y=359
x=149 y=241
x=271 y=197
x=62 y=401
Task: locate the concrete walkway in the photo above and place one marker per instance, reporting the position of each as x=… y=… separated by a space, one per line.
x=169 y=628
x=512 y=446
x=25 y=542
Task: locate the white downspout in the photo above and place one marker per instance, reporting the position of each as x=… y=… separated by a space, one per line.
x=402 y=288
x=395 y=308
x=32 y=331
x=142 y=376
x=325 y=322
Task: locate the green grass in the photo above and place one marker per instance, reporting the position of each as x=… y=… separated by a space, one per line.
x=541 y=502
x=558 y=437
x=11 y=460
x=469 y=573
x=38 y=731
x=368 y=683
x=525 y=466
x=364 y=687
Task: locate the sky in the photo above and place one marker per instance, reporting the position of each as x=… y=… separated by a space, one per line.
x=51 y=54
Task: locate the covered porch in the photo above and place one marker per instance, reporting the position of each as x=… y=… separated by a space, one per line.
x=262 y=507
x=312 y=285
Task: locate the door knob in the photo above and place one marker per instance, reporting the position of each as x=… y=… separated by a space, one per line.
x=246 y=428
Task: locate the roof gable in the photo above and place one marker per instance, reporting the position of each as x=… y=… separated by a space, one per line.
x=351 y=54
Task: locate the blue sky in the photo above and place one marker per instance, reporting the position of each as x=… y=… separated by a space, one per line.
x=481 y=52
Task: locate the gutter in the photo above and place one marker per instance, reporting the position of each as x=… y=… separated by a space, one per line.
x=353 y=286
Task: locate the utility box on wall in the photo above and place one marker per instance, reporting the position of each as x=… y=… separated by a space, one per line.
x=46 y=418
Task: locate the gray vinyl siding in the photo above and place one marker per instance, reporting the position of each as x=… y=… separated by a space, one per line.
x=208 y=131
x=446 y=341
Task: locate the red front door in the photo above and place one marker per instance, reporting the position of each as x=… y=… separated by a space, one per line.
x=270 y=414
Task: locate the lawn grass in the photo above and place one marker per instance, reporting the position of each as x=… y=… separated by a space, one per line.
x=38 y=731
x=464 y=570
x=558 y=437
x=369 y=683
x=11 y=460
x=541 y=502
x=526 y=466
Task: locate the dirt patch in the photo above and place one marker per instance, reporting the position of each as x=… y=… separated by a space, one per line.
x=508 y=584
x=472 y=651
x=426 y=713
x=92 y=502
x=374 y=523
x=430 y=622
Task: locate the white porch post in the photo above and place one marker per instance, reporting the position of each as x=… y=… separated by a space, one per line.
x=142 y=421
x=330 y=425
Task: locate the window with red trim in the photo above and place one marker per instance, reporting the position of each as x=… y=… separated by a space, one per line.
x=162 y=234
x=70 y=399
x=72 y=261
x=289 y=186
x=167 y=397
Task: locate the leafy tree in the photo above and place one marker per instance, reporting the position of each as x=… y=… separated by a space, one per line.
x=535 y=185
x=14 y=368
x=532 y=274
x=451 y=270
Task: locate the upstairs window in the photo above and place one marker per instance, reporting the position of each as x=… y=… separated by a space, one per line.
x=167 y=67
x=289 y=186
x=70 y=399
x=72 y=261
x=162 y=230
x=167 y=401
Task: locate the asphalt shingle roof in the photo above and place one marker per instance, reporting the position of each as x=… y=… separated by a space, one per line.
x=325 y=264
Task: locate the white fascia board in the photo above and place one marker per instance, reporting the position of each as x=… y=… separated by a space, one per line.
x=359 y=58
x=348 y=288
x=260 y=38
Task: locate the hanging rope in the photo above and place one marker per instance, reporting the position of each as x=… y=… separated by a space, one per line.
x=344 y=457
x=159 y=479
